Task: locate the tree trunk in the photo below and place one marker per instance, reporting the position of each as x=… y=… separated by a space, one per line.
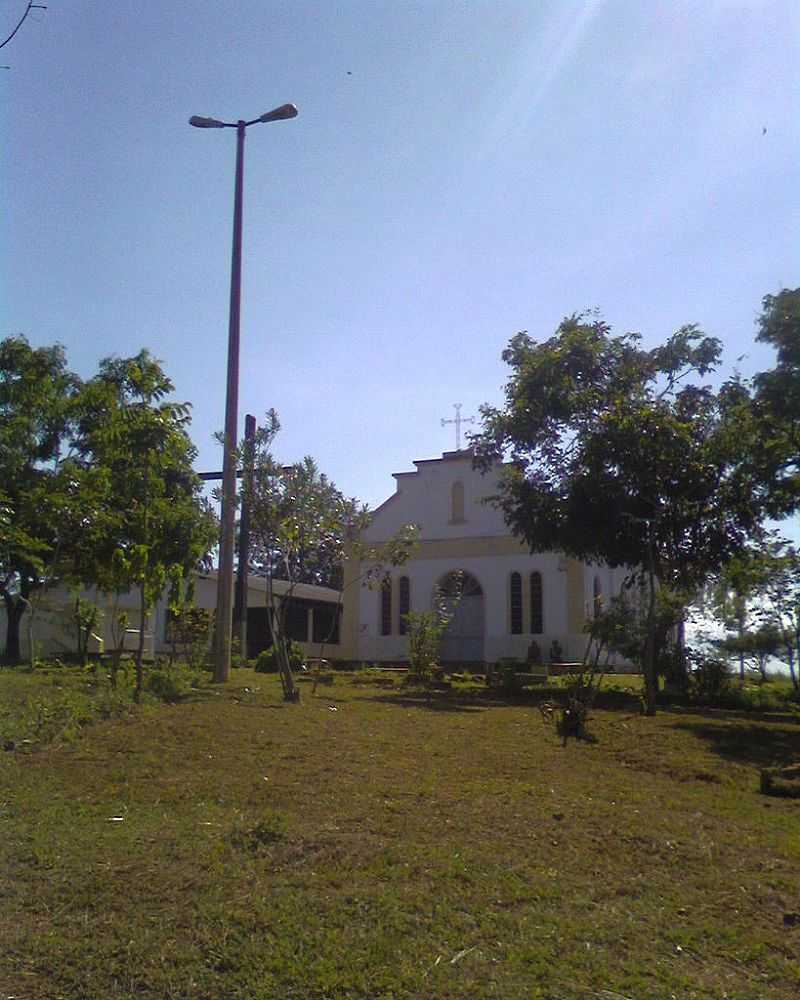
x=137 y=694
x=15 y=609
x=741 y=623
x=291 y=692
x=650 y=675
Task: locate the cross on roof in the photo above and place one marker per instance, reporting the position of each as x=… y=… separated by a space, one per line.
x=458 y=421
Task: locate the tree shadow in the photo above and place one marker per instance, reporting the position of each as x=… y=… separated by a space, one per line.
x=480 y=699
x=432 y=702
x=747 y=742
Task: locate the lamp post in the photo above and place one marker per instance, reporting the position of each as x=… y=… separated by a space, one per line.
x=224 y=618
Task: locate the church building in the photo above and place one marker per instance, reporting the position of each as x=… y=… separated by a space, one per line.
x=508 y=597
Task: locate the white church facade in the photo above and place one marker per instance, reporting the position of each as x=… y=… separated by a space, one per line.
x=510 y=597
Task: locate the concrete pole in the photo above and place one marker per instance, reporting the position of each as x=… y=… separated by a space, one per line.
x=224 y=622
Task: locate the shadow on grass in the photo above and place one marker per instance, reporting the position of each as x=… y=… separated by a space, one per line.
x=748 y=743
x=479 y=699
x=431 y=702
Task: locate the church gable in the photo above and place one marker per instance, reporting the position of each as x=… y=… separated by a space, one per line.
x=445 y=497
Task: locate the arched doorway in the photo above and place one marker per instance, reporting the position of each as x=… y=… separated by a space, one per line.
x=463 y=640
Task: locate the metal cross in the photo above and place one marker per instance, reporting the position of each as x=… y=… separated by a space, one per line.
x=459 y=420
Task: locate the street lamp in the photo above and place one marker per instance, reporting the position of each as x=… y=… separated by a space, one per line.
x=224 y=619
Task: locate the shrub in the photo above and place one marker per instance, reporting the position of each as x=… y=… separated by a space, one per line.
x=425 y=630
x=710 y=679
x=267 y=662
x=170 y=686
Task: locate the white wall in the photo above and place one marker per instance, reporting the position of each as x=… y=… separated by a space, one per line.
x=493 y=574
x=423 y=498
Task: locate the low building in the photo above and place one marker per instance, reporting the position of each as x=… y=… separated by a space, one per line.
x=312 y=618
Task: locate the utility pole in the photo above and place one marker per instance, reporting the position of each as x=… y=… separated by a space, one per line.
x=243 y=563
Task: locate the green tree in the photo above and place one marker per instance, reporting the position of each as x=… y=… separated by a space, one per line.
x=37 y=411
x=311 y=511
x=155 y=522
x=300 y=527
x=734 y=592
x=756 y=646
x=758 y=596
x=426 y=629
x=780 y=594
x=777 y=405
x=619 y=455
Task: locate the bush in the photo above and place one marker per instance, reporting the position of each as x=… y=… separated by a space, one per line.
x=267 y=662
x=424 y=630
x=710 y=679
x=170 y=685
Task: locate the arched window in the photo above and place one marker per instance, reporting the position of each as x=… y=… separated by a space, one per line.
x=537 y=610
x=403 y=604
x=597 y=597
x=386 y=607
x=457 y=503
x=515 y=603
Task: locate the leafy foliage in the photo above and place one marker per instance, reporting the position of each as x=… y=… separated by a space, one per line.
x=299 y=520
x=777 y=404
x=268 y=662
x=299 y=525
x=86 y=617
x=425 y=630
x=301 y=530
x=619 y=455
x=154 y=522
x=37 y=413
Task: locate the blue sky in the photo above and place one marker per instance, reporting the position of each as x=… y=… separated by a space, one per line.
x=459 y=171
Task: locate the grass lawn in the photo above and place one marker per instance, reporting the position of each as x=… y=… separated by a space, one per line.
x=371 y=844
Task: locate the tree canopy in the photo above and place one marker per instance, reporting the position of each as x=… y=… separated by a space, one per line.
x=777 y=404
x=299 y=520
x=616 y=450
x=155 y=521
x=98 y=487
x=38 y=396
x=622 y=455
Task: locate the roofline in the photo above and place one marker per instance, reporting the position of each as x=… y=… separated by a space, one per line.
x=311 y=591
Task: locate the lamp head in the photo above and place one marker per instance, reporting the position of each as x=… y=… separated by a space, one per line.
x=199 y=122
x=279 y=114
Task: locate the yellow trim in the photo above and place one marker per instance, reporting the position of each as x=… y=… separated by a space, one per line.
x=456 y=548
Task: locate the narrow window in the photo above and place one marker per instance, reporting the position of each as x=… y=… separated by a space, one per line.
x=386 y=607
x=457 y=498
x=516 y=603
x=404 y=603
x=537 y=612
x=597 y=595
